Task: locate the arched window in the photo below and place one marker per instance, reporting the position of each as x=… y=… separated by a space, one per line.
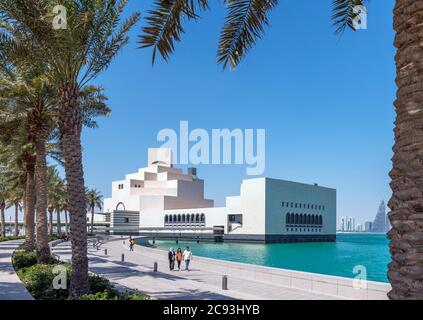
x=120 y=207
x=288 y=218
x=203 y=217
x=183 y=217
x=175 y=218
x=308 y=218
x=192 y=218
x=170 y=218
x=197 y=218
x=166 y=218
x=320 y=220
x=296 y=218
x=179 y=218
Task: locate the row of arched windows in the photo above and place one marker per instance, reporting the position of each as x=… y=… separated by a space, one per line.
x=185 y=218
x=308 y=219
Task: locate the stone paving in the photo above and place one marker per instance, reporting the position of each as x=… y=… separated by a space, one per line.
x=136 y=272
x=11 y=288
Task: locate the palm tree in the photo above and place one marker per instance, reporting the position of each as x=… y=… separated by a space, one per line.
x=245 y=24
x=94 y=200
x=74 y=56
x=50 y=210
x=13 y=177
x=63 y=202
x=32 y=97
x=3 y=199
x=56 y=193
x=15 y=200
x=18 y=158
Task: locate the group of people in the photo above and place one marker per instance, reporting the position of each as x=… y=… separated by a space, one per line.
x=173 y=256
x=178 y=257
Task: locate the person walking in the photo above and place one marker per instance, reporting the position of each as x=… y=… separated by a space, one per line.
x=171 y=257
x=179 y=258
x=187 y=257
x=131 y=244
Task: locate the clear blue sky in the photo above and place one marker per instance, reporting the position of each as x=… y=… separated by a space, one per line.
x=326 y=103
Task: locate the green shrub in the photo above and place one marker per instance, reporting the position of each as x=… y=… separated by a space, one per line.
x=9 y=238
x=53 y=237
x=132 y=295
x=22 y=259
x=39 y=281
x=112 y=295
x=38 y=278
x=105 y=295
x=25 y=259
x=99 y=284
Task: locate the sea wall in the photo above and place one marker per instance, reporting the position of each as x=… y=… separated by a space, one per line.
x=337 y=287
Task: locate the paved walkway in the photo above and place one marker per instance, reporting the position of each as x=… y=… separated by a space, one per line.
x=137 y=273
x=11 y=288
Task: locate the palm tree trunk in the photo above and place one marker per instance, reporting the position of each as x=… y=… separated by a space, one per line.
x=58 y=223
x=30 y=207
x=66 y=222
x=16 y=234
x=70 y=122
x=50 y=218
x=3 y=220
x=92 y=219
x=43 y=248
x=406 y=204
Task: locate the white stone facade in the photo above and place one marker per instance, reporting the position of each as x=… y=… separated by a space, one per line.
x=163 y=201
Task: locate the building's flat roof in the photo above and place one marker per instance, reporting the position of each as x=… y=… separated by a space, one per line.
x=290 y=181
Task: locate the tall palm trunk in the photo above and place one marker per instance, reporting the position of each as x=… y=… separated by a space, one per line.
x=92 y=219
x=66 y=222
x=50 y=219
x=406 y=204
x=16 y=220
x=58 y=223
x=3 y=219
x=29 y=205
x=70 y=121
x=43 y=248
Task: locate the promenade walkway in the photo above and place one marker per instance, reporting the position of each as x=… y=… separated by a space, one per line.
x=11 y=288
x=136 y=272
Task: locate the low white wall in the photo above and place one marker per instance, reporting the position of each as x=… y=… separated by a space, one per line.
x=338 y=287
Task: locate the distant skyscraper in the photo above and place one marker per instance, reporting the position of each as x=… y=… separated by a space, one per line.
x=343 y=224
x=368 y=226
x=347 y=224
x=351 y=224
x=381 y=223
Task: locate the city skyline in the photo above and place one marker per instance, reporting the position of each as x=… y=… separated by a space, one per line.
x=380 y=222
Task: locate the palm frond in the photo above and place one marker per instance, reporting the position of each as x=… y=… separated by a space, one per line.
x=245 y=22
x=164 y=24
x=105 y=38
x=343 y=14
x=93 y=105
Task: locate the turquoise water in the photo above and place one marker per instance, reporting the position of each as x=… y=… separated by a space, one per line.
x=336 y=258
